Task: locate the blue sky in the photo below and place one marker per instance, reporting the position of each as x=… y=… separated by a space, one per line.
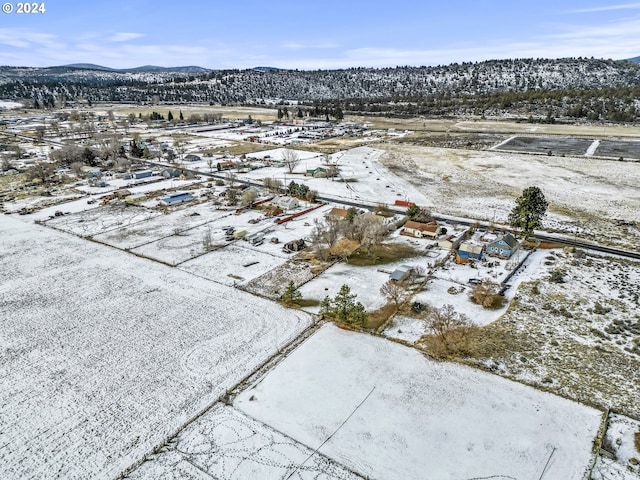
x=313 y=34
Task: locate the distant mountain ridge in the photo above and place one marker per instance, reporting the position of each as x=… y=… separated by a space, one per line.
x=143 y=69
x=634 y=59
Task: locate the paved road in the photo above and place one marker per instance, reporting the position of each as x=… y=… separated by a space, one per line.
x=543 y=236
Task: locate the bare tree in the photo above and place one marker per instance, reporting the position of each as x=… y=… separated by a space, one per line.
x=5 y=164
x=324 y=235
x=40 y=131
x=273 y=184
x=232 y=196
x=448 y=331
x=395 y=292
x=290 y=158
x=211 y=161
x=248 y=198
x=231 y=178
x=180 y=148
x=76 y=167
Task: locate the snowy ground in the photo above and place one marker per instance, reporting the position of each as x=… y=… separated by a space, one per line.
x=87 y=223
x=578 y=338
x=372 y=181
x=585 y=194
x=365 y=282
x=228 y=445
x=235 y=264
x=412 y=418
x=619 y=441
x=104 y=355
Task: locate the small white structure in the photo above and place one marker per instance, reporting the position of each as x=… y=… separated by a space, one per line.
x=286 y=202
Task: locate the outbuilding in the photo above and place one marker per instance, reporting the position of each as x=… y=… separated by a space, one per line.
x=176 y=198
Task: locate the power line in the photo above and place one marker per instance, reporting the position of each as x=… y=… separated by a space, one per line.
x=330 y=436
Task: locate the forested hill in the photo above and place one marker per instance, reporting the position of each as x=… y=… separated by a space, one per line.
x=455 y=86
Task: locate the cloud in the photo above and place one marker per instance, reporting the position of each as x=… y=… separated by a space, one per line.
x=125 y=37
x=25 y=39
x=310 y=46
x=622 y=6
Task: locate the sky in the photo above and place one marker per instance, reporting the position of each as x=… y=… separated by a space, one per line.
x=314 y=34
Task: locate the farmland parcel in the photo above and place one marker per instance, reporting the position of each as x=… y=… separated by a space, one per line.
x=104 y=355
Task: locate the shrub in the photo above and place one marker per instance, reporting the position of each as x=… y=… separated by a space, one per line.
x=557 y=276
x=486 y=293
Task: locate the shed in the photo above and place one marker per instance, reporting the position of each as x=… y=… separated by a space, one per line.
x=401 y=273
x=192 y=158
x=142 y=174
x=450 y=241
x=176 y=198
x=469 y=251
x=503 y=247
x=135 y=198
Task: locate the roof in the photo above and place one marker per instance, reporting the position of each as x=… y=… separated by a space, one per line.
x=177 y=197
x=338 y=212
x=401 y=272
x=508 y=239
x=471 y=248
x=422 y=227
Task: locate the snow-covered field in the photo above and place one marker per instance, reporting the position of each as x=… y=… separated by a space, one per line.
x=584 y=194
x=228 y=445
x=372 y=181
x=87 y=223
x=409 y=417
x=235 y=264
x=104 y=355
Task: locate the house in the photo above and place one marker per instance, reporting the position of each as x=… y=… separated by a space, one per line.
x=401 y=273
x=503 y=247
x=469 y=251
x=192 y=158
x=318 y=172
x=421 y=230
x=224 y=166
x=176 y=198
x=286 y=202
x=170 y=172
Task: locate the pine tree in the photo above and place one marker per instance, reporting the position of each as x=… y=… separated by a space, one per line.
x=291 y=295
x=181 y=115
x=170 y=116
x=344 y=308
x=529 y=210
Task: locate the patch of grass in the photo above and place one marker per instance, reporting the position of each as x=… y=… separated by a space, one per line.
x=636 y=440
x=382 y=254
x=378 y=317
x=308 y=302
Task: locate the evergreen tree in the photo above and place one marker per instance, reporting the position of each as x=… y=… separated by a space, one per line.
x=170 y=116
x=344 y=308
x=529 y=210
x=291 y=295
x=181 y=115
x=412 y=212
